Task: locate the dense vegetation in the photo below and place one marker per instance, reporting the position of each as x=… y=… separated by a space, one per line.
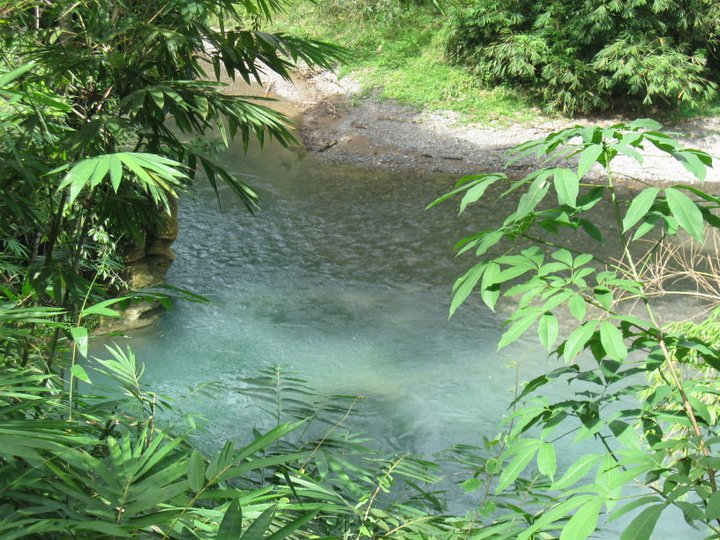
x=591 y=55
x=504 y=60
x=89 y=163
x=104 y=109
x=643 y=390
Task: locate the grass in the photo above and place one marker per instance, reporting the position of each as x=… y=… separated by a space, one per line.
x=398 y=54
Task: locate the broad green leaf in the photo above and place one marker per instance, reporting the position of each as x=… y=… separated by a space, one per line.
x=701 y=410
x=516 y=330
x=553 y=514
x=645 y=123
x=591 y=229
x=564 y=256
x=588 y=158
x=548 y=330
x=196 y=471
x=685 y=212
x=577 y=340
x=476 y=192
x=612 y=341
x=582 y=260
x=517 y=465
x=542 y=380
x=79 y=372
x=690 y=160
x=584 y=522
x=639 y=207
x=712 y=511
x=529 y=200
x=80 y=336
x=567 y=186
x=643 y=525
x=472 y=484
x=546 y=460
x=577 y=307
x=231 y=525
x=629 y=507
x=576 y=472
x=469 y=281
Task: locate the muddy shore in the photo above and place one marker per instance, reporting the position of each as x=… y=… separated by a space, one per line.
x=341 y=124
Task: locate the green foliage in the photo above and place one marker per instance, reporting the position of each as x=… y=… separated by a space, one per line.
x=381 y=496
x=101 y=464
x=398 y=53
x=591 y=55
x=101 y=108
x=643 y=391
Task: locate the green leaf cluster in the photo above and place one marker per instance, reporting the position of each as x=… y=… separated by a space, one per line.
x=644 y=391
x=591 y=55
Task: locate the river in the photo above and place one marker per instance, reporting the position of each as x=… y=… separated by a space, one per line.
x=343 y=279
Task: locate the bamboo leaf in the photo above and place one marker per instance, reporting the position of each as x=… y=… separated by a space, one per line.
x=79 y=372
x=116 y=170
x=231 y=525
x=196 y=471
x=257 y=530
x=80 y=336
x=291 y=527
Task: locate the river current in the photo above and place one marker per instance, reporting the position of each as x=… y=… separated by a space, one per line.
x=343 y=279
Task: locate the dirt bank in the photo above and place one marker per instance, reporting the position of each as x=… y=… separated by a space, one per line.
x=340 y=124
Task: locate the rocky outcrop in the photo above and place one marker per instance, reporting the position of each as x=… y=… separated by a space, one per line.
x=146 y=262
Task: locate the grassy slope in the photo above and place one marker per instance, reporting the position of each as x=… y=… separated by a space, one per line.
x=398 y=53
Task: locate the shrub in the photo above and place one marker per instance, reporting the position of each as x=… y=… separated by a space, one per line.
x=592 y=55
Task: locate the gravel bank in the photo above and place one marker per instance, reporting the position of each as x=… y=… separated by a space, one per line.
x=339 y=124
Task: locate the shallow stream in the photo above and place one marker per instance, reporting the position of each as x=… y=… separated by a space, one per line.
x=344 y=279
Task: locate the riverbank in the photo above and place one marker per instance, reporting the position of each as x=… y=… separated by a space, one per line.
x=340 y=123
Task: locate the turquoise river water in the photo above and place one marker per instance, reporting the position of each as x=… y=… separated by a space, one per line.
x=343 y=278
